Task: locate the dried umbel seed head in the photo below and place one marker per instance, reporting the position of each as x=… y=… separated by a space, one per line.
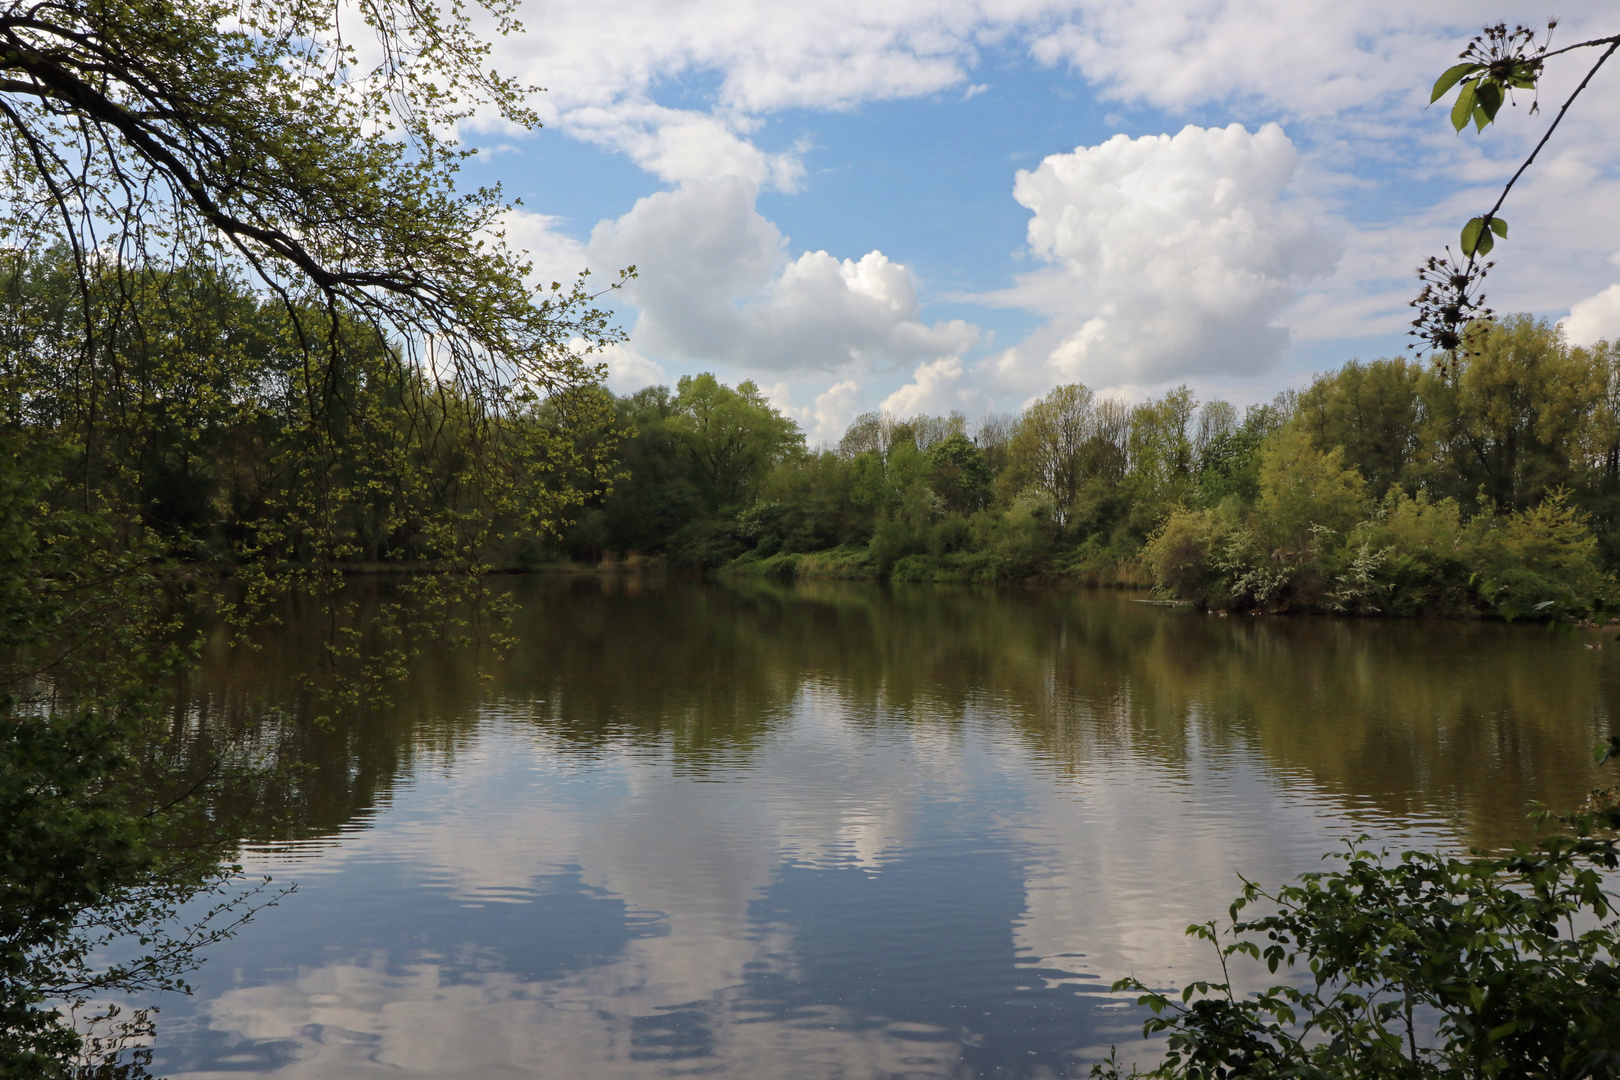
x=1449 y=303
x=1510 y=59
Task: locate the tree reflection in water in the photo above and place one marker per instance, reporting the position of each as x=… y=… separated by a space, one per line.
x=827 y=830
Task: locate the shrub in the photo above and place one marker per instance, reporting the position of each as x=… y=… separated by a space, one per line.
x=913 y=568
x=1015 y=545
x=1411 y=556
x=1303 y=488
x=1183 y=554
x=1408 y=558
x=1420 y=966
x=1541 y=561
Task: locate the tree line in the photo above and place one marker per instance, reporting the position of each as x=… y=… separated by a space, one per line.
x=1384 y=487
x=207 y=426
x=208 y=429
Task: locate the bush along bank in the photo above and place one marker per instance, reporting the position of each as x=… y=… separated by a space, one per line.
x=1403 y=555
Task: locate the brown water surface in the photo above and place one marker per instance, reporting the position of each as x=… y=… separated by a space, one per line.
x=830 y=831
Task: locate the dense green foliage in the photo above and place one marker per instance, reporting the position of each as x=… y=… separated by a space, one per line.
x=1421 y=966
x=1381 y=488
x=248 y=324
x=204 y=437
x=1396 y=489
x=209 y=423
x=97 y=845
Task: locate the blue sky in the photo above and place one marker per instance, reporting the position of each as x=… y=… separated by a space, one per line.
x=936 y=204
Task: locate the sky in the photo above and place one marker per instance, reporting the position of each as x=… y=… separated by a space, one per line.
x=936 y=205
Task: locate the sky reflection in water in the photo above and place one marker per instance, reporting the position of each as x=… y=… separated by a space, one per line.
x=839 y=832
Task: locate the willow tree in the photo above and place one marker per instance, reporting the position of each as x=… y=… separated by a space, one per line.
x=305 y=151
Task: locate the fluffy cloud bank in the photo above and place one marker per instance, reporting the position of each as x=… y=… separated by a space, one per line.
x=609 y=67
x=1596 y=317
x=682 y=90
x=1169 y=256
x=678 y=145
x=715 y=285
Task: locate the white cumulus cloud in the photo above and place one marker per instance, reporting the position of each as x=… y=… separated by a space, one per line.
x=1169 y=256
x=1595 y=318
x=937 y=388
x=1311 y=58
x=629 y=371
x=683 y=90
x=677 y=145
x=829 y=418
x=608 y=69
x=715 y=284
x=607 y=66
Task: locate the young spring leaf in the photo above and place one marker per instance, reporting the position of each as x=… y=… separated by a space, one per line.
x=1471 y=233
x=1489 y=97
x=1499 y=227
x=1449 y=79
x=1464 y=106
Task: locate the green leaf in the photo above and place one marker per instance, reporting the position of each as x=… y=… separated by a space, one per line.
x=1449 y=79
x=1499 y=227
x=1464 y=106
x=1490 y=99
x=1476 y=239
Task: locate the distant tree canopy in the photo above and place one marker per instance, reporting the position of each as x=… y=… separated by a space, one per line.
x=1303 y=502
x=687 y=458
x=732 y=436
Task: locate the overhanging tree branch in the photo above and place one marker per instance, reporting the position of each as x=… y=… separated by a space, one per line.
x=1495 y=63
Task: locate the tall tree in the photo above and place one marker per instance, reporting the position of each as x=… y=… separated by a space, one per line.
x=1509 y=420
x=1370 y=409
x=1047 y=444
x=733 y=435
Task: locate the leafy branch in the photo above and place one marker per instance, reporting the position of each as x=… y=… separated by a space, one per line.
x=1496 y=63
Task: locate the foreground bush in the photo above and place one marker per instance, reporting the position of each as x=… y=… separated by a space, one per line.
x=1419 y=966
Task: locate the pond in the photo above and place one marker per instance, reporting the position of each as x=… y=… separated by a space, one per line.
x=710 y=829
